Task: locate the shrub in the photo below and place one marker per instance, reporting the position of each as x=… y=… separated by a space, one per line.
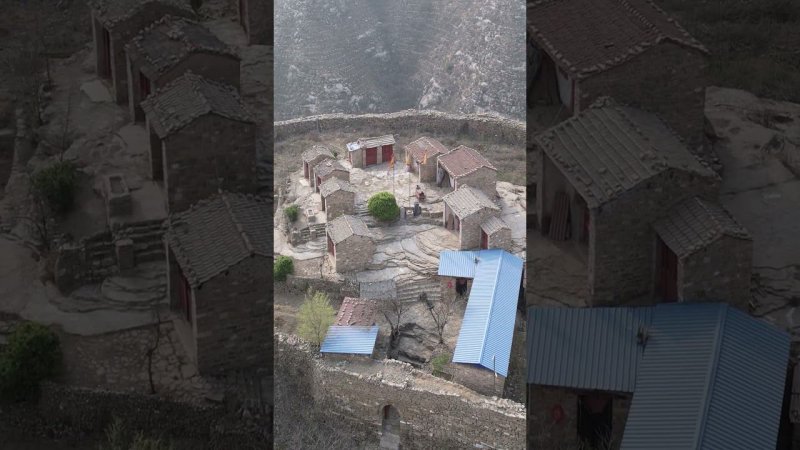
x=33 y=354
x=383 y=206
x=439 y=361
x=315 y=316
x=291 y=212
x=283 y=267
x=56 y=185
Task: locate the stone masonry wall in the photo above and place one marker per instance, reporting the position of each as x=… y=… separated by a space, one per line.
x=545 y=433
x=89 y=261
x=484 y=127
x=433 y=414
x=501 y=239
x=719 y=272
x=471 y=228
x=668 y=80
x=334 y=288
x=622 y=240
x=338 y=203
x=354 y=253
x=233 y=318
x=343 y=175
x=209 y=148
x=483 y=179
x=260 y=22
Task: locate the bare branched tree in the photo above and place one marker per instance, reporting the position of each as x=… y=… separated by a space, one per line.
x=440 y=312
x=394 y=310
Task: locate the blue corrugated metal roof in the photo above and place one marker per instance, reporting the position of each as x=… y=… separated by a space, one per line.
x=350 y=339
x=586 y=348
x=487 y=329
x=454 y=263
x=711 y=377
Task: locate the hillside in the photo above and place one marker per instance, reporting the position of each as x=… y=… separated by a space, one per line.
x=361 y=56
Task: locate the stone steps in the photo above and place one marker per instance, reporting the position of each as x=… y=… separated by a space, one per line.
x=139 y=291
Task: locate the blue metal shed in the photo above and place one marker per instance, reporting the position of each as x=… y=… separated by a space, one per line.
x=460 y=264
x=350 y=340
x=487 y=329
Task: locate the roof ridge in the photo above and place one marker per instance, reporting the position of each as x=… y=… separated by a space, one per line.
x=247 y=244
x=713 y=362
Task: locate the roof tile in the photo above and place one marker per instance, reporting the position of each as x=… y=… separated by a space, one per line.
x=345 y=226
x=466 y=200
x=463 y=160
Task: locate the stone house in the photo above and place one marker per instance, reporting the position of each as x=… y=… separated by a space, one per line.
x=650 y=377
x=327 y=169
x=338 y=198
x=217 y=255
x=612 y=174
x=371 y=151
x=313 y=156
x=495 y=233
x=627 y=49
x=423 y=156
x=202 y=139
x=256 y=17
x=465 y=210
x=114 y=24
x=350 y=244
x=464 y=165
x=166 y=50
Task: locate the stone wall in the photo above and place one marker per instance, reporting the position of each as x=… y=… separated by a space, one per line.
x=544 y=432
x=667 y=79
x=718 y=272
x=434 y=413
x=209 y=148
x=483 y=179
x=484 y=127
x=337 y=289
x=343 y=175
x=353 y=254
x=233 y=318
x=622 y=240
x=501 y=239
x=260 y=22
x=470 y=232
x=89 y=261
x=338 y=203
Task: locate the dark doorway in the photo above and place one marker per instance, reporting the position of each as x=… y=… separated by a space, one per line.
x=185 y=298
x=156 y=160
x=386 y=153
x=331 y=247
x=371 y=156
x=461 y=286
x=305 y=170
x=595 y=420
x=666 y=272
x=323 y=204
x=484 y=240
x=390 y=428
x=107 y=50
x=243 y=15
x=319 y=181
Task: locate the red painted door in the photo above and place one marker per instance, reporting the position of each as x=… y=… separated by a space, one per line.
x=484 y=240
x=371 y=157
x=305 y=170
x=323 y=204
x=185 y=294
x=386 y=153
x=144 y=86
x=107 y=47
x=319 y=181
x=331 y=248
x=667 y=273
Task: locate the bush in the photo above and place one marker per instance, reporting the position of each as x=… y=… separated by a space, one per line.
x=56 y=185
x=33 y=354
x=440 y=361
x=291 y=212
x=383 y=206
x=283 y=267
x=315 y=316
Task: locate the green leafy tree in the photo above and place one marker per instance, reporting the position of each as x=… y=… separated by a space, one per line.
x=32 y=355
x=315 y=317
x=283 y=267
x=291 y=212
x=56 y=185
x=383 y=206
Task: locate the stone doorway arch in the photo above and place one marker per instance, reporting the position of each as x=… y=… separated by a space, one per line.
x=390 y=428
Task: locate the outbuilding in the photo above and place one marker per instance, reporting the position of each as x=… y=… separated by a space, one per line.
x=465 y=210
x=327 y=169
x=313 y=156
x=371 y=151
x=350 y=244
x=464 y=165
x=422 y=157
x=338 y=198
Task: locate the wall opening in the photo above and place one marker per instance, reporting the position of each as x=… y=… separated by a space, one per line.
x=595 y=420
x=390 y=428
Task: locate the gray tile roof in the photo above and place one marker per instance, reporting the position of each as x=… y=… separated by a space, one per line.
x=586 y=37
x=370 y=142
x=315 y=151
x=419 y=147
x=111 y=12
x=493 y=225
x=378 y=290
x=169 y=41
x=332 y=185
x=191 y=96
x=356 y=312
x=696 y=223
x=463 y=160
x=218 y=233
x=608 y=149
x=328 y=166
x=345 y=226
x=466 y=200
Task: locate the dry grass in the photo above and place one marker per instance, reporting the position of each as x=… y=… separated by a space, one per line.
x=755 y=44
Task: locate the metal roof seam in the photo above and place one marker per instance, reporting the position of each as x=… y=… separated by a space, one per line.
x=712 y=371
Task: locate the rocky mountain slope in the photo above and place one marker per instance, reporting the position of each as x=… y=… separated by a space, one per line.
x=358 y=56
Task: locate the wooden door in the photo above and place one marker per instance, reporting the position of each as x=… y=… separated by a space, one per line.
x=484 y=240
x=331 y=248
x=667 y=274
x=319 y=181
x=371 y=157
x=386 y=153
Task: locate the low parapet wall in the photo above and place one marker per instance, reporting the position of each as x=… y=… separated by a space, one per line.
x=435 y=413
x=486 y=127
